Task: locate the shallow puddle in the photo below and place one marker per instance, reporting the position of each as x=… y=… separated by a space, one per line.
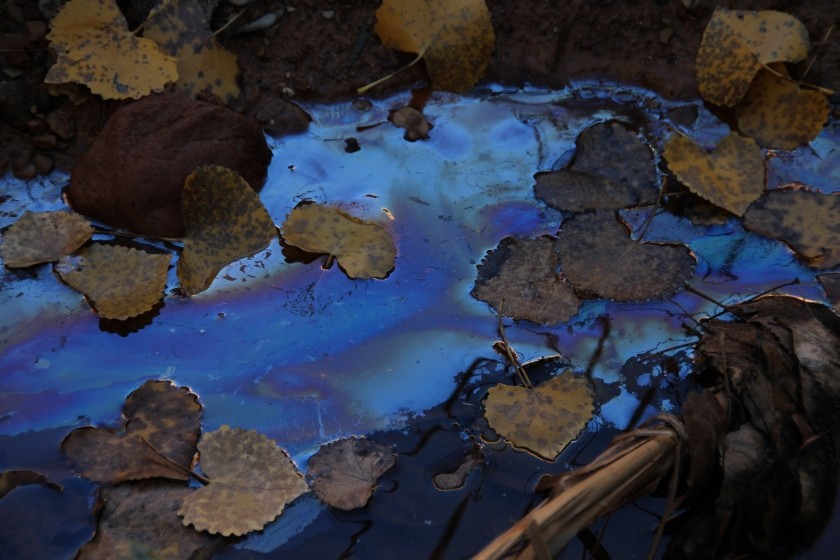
x=306 y=355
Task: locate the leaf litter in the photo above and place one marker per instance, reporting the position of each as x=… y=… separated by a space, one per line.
x=39 y=237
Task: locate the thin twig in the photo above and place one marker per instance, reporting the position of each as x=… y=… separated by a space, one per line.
x=511 y=355
x=179 y=467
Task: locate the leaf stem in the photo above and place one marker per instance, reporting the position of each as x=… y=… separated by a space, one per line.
x=182 y=468
x=372 y=85
x=511 y=355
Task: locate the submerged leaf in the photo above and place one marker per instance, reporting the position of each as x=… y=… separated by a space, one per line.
x=600 y=260
x=251 y=481
x=43 y=237
x=121 y=282
x=805 y=220
x=345 y=472
x=730 y=177
x=363 y=249
x=735 y=46
x=157 y=415
x=777 y=113
x=455 y=37
x=95 y=48
x=224 y=221
x=9 y=480
x=204 y=66
x=520 y=279
x=544 y=419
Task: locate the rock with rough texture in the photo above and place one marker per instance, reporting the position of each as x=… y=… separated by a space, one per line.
x=132 y=175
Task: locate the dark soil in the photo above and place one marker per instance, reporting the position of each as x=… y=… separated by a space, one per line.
x=323 y=51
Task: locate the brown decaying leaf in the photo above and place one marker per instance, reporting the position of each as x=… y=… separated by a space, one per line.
x=777 y=113
x=251 y=481
x=95 y=48
x=449 y=481
x=731 y=176
x=803 y=219
x=204 y=66
x=363 y=249
x=121 y=282
x=455 y=37
x=9 y=480
x=167 y=417
x=224 y=221
x=520 y=279
x=344 y=472
x=544 y=419
x=735 y=46
x=415 y=124
x=831 y=286
x=39 y=237
x=138 y=520
x=600 y=260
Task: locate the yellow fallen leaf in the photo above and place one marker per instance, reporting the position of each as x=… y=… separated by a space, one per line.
x=95 y=48
x=121 y=282
x=363 y=250
x=735 y=46
x=251 y=481
x=544 y=419
x=204 y=66
x=224 y=220
x=43 y=237
x=777 y=113
x=730 y=177
x=455 y=37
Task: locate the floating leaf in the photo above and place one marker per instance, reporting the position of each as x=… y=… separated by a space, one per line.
x=455 y=37
x=613 y=168
x=600 y=260
x=730 y=177
x=345 y=472
x=735 y=46
x=9 y=480
x=415 y=124
x=121 y=282
x=157 y=415
x=363 y=249
x=520 y=279
x=805 y=220
x=448 y=481
x=43 y=237
x=95 y=48
x=251 y=481
x=224 y=221
x=777 y=113
x=544 y=419
x=204 y=66
x=138 y=520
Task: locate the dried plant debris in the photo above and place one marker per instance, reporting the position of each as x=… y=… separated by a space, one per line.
x=542 y=419
x=363 y=249
x=831 y=287
x=251 y=481
x=454 y=37
x=344 y=473
x=521 y=279
x=613 y=168
x=9 y=480
x=601 y=260
x=39 y=237
x=158 y=438
x=731 y=176
x=96 y=48
x=416 y=125
x=224 y=221
x=121 y=282
x=737 y=44
x=803 y=219
x=777 y=113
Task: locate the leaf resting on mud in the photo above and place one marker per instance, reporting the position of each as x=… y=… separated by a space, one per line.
x=520 y=279
x=39 y=237
x=345 y=472
x=455 y=37
x=224 y=221
x=544 y=419
x=805 y=220
x=251 y=481
x=121 y=282
x=730 y=177
x=600 y=260
x=363 y=249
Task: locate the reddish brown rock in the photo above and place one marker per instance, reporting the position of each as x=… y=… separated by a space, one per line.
x=132 y=175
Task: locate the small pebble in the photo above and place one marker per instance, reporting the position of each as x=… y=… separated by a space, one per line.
x=328 y=14
x=362 y=105
x=44 y=164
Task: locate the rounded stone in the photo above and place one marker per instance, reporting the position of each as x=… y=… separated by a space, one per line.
x=131 y=177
